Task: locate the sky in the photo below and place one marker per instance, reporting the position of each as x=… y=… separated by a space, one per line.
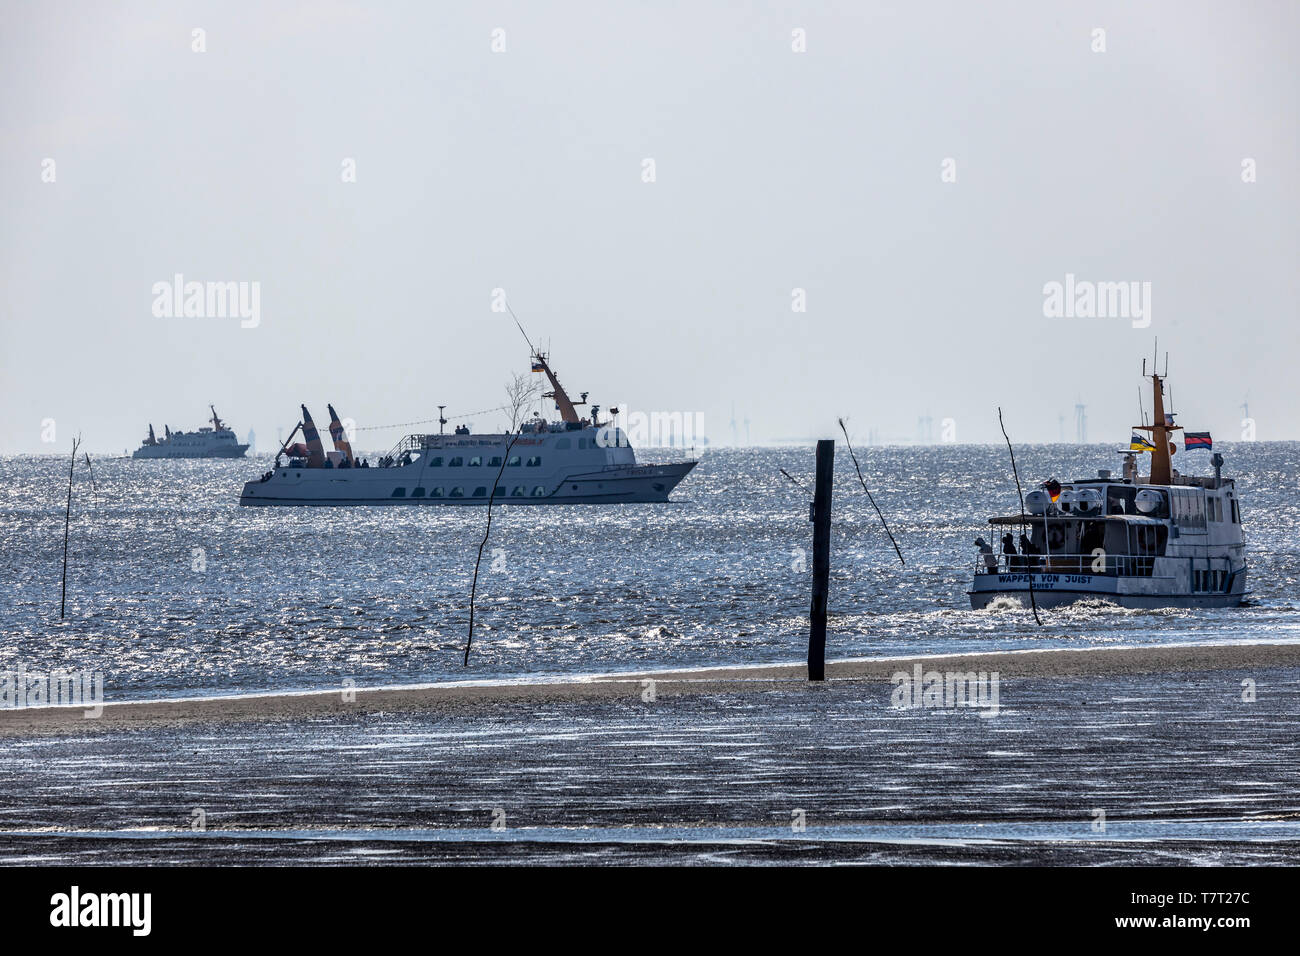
x=797 y=210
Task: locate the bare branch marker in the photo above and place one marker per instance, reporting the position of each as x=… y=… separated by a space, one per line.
x=797 y=483
x=67 y=520
x=93 y=484
x=863 y=482
x=482 y=544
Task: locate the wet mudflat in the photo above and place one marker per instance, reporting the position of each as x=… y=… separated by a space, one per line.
x=1183 y=768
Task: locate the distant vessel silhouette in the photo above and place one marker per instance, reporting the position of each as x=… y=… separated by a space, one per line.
x=215 y=442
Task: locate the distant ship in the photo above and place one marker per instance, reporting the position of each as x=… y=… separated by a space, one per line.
x=574 y=460
x=215 y=442
x=1162 y=539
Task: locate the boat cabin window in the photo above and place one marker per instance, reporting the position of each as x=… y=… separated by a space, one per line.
x=1120 y=500
x=539 y=492
x=1216 y=581
x=500 y=492
x=534 y=461
x=1188 y=506
x=457 y=492
x=513 y=462
x=1236 y=514
x=519 y=491
x=562 y=443
x=582 y=443
x=436 y=493
x=435 y=462
x=494 y=461
x=456 y=462
x=398 y=493
x=480 y=491
x=476 y=461
x=417 y=493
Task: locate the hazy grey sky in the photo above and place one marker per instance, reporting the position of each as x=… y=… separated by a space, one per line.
x=775 y=170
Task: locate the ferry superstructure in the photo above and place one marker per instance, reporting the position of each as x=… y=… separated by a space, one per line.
x=1163 y=539
x=215 y=442
x=576 y=460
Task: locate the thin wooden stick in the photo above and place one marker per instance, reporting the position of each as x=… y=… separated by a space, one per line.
x=94 y=486
x=67 y=521
x=1033 y=602
x=863 y=482
x=473 y=589
x=801 y=487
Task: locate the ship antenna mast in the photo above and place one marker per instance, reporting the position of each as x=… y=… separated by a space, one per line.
x=520 y=326
x=562 y=401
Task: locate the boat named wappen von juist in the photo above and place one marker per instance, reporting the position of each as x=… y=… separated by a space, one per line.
x=1140 y=541
x=573 y=461
x=215 y=442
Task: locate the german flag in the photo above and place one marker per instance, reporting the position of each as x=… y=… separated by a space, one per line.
x=1138 y=443
x=1197 y=440
x=538 y=366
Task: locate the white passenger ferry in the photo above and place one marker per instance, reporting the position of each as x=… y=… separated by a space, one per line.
x=573 y=461
x=1160 y=540
x=215 y=442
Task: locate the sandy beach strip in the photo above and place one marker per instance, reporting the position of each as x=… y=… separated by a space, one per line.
x=456 y=695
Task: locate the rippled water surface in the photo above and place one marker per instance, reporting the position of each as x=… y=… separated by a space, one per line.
x=175 y=589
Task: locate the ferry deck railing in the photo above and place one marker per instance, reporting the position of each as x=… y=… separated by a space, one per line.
x=1113 y=565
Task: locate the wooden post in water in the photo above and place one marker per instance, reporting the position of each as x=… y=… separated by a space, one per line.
x=67 y=521
x=821 y=565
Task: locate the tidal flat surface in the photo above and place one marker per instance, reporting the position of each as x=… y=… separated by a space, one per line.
x=1185 y=770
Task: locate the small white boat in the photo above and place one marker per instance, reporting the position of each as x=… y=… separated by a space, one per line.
x=1160 y=540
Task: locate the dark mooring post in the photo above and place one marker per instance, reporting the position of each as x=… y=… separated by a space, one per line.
x=821 y=565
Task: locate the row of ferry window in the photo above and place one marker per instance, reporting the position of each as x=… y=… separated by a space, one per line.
x=1214 y=507
x=1210 y=580
x=475 y=462
x=1191 y=509
x=519 y=491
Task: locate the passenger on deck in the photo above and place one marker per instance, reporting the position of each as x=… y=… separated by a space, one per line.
x=1009 y=551
x=990 y=559
x=1027 y=552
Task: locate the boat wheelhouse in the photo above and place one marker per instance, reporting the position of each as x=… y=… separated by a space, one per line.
x=1159 y=540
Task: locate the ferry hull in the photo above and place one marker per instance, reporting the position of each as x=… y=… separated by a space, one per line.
x=1058 y=589
x=636 y=484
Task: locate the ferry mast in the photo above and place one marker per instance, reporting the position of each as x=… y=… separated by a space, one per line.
x=1160 y=429
x=568 y=412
